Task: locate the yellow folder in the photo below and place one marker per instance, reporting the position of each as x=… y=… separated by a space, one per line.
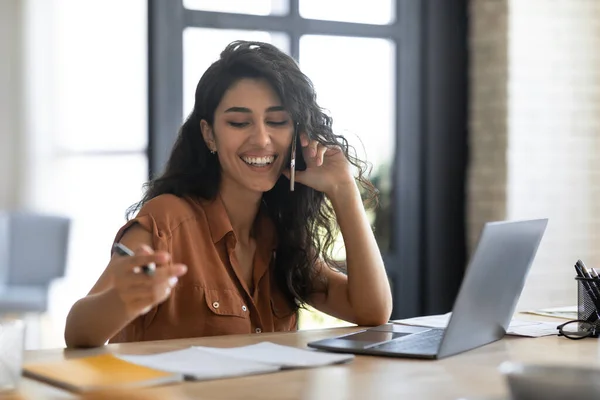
x=97 y=373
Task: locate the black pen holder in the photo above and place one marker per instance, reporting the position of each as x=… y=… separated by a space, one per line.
x=588 y=300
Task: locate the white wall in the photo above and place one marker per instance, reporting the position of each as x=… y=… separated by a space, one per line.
x=535 y=132
x=554 y=137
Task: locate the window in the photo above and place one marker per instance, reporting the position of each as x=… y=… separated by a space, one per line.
x=89 y=132
x=366 y=116
x=335 y=43
x=201 y=47
x=365 y=12
x=255 y=7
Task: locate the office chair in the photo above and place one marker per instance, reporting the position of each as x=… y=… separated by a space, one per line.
x=33 y=252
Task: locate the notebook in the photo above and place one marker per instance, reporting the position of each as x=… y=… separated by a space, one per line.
x=97 y=373
x=205 y=363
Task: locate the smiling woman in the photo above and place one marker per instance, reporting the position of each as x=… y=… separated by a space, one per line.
x=236 y=250
x=251 y=132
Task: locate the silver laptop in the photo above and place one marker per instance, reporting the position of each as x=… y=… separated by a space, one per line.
x=483 y=308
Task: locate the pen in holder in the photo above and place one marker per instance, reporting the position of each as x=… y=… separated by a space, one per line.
x=588 y=300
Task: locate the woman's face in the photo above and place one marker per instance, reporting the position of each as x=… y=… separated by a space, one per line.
x=252 y=134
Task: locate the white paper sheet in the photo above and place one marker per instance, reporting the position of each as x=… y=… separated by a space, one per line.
x=516 y=327
x=284 y=356
x=203 y=363
x=568 y=312
x=200 y=365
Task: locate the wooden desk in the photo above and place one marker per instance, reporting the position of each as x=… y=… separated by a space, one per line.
x=471 y=375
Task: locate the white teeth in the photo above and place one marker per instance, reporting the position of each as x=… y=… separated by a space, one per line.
x=259 y=161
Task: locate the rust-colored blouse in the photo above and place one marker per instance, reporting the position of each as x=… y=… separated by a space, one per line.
x=211 y=298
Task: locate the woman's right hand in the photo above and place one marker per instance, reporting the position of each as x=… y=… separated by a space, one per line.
x=140 y=292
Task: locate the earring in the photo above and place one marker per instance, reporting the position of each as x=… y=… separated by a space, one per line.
x=213 y=152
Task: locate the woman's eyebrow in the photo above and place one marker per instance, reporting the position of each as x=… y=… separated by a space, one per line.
x=249 y=111
x=238 y=109
x=276 y=108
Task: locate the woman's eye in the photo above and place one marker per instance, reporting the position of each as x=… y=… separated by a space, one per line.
x=238 y=124
x=277 y=123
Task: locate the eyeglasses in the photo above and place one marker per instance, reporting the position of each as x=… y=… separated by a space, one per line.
x=578 y=329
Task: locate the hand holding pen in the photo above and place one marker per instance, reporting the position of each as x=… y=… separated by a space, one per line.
x=143 y=279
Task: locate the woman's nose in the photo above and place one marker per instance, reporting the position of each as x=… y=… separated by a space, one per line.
x=260 y=136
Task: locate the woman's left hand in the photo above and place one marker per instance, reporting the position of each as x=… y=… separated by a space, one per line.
x=327 y=168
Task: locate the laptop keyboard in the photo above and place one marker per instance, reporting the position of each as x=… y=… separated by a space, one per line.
x=427 y=342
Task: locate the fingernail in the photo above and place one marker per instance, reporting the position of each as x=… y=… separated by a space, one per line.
x=145 y=310
x=167 y=291
x=181 y=269
x=163 y=258
x=172 y=281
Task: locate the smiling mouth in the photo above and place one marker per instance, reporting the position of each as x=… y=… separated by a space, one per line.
x=259 y=161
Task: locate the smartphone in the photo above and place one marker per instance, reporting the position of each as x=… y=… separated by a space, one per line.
x=123 y=250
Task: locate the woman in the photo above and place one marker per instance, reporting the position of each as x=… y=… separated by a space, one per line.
x=236 y=250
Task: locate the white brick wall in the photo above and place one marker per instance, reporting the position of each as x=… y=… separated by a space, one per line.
x=487 y=174
x=547 y=130
x=554 y=131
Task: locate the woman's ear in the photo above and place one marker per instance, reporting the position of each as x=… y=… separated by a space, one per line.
x=207 y=134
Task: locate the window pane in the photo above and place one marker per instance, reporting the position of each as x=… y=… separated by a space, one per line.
x=202 y=47
x=100 y=79
x=94 y=191
x=379 y=12
x=359 y=92
x=255 y=7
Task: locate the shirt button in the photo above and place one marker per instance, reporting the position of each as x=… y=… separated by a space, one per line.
x=244 y=308
x=258 y=330
x=216 y=304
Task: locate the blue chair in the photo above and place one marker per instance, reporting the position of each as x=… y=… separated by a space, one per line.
x=33 y=252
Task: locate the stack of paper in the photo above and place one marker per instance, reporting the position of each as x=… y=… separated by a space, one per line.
x=516 y=327
x=204 y=363
x=569 y=312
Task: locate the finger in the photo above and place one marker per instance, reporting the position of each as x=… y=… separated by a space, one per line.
x=144 y=249
x=177 y=270
x=313 y=148
x=304 y=140
x=321 y=154
x=132 y=281
x=166 y=272
x=159 y=293
x=158 y=258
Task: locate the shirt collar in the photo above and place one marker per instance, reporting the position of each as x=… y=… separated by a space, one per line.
x=218 y=220
x=220 y=224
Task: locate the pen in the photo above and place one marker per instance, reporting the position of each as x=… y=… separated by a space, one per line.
x=589 y=273
x=579 y=268
x=123 y=250
x=293 y=159
x=593 y=286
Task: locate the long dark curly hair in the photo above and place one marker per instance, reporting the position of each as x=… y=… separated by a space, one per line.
x=304 y=219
